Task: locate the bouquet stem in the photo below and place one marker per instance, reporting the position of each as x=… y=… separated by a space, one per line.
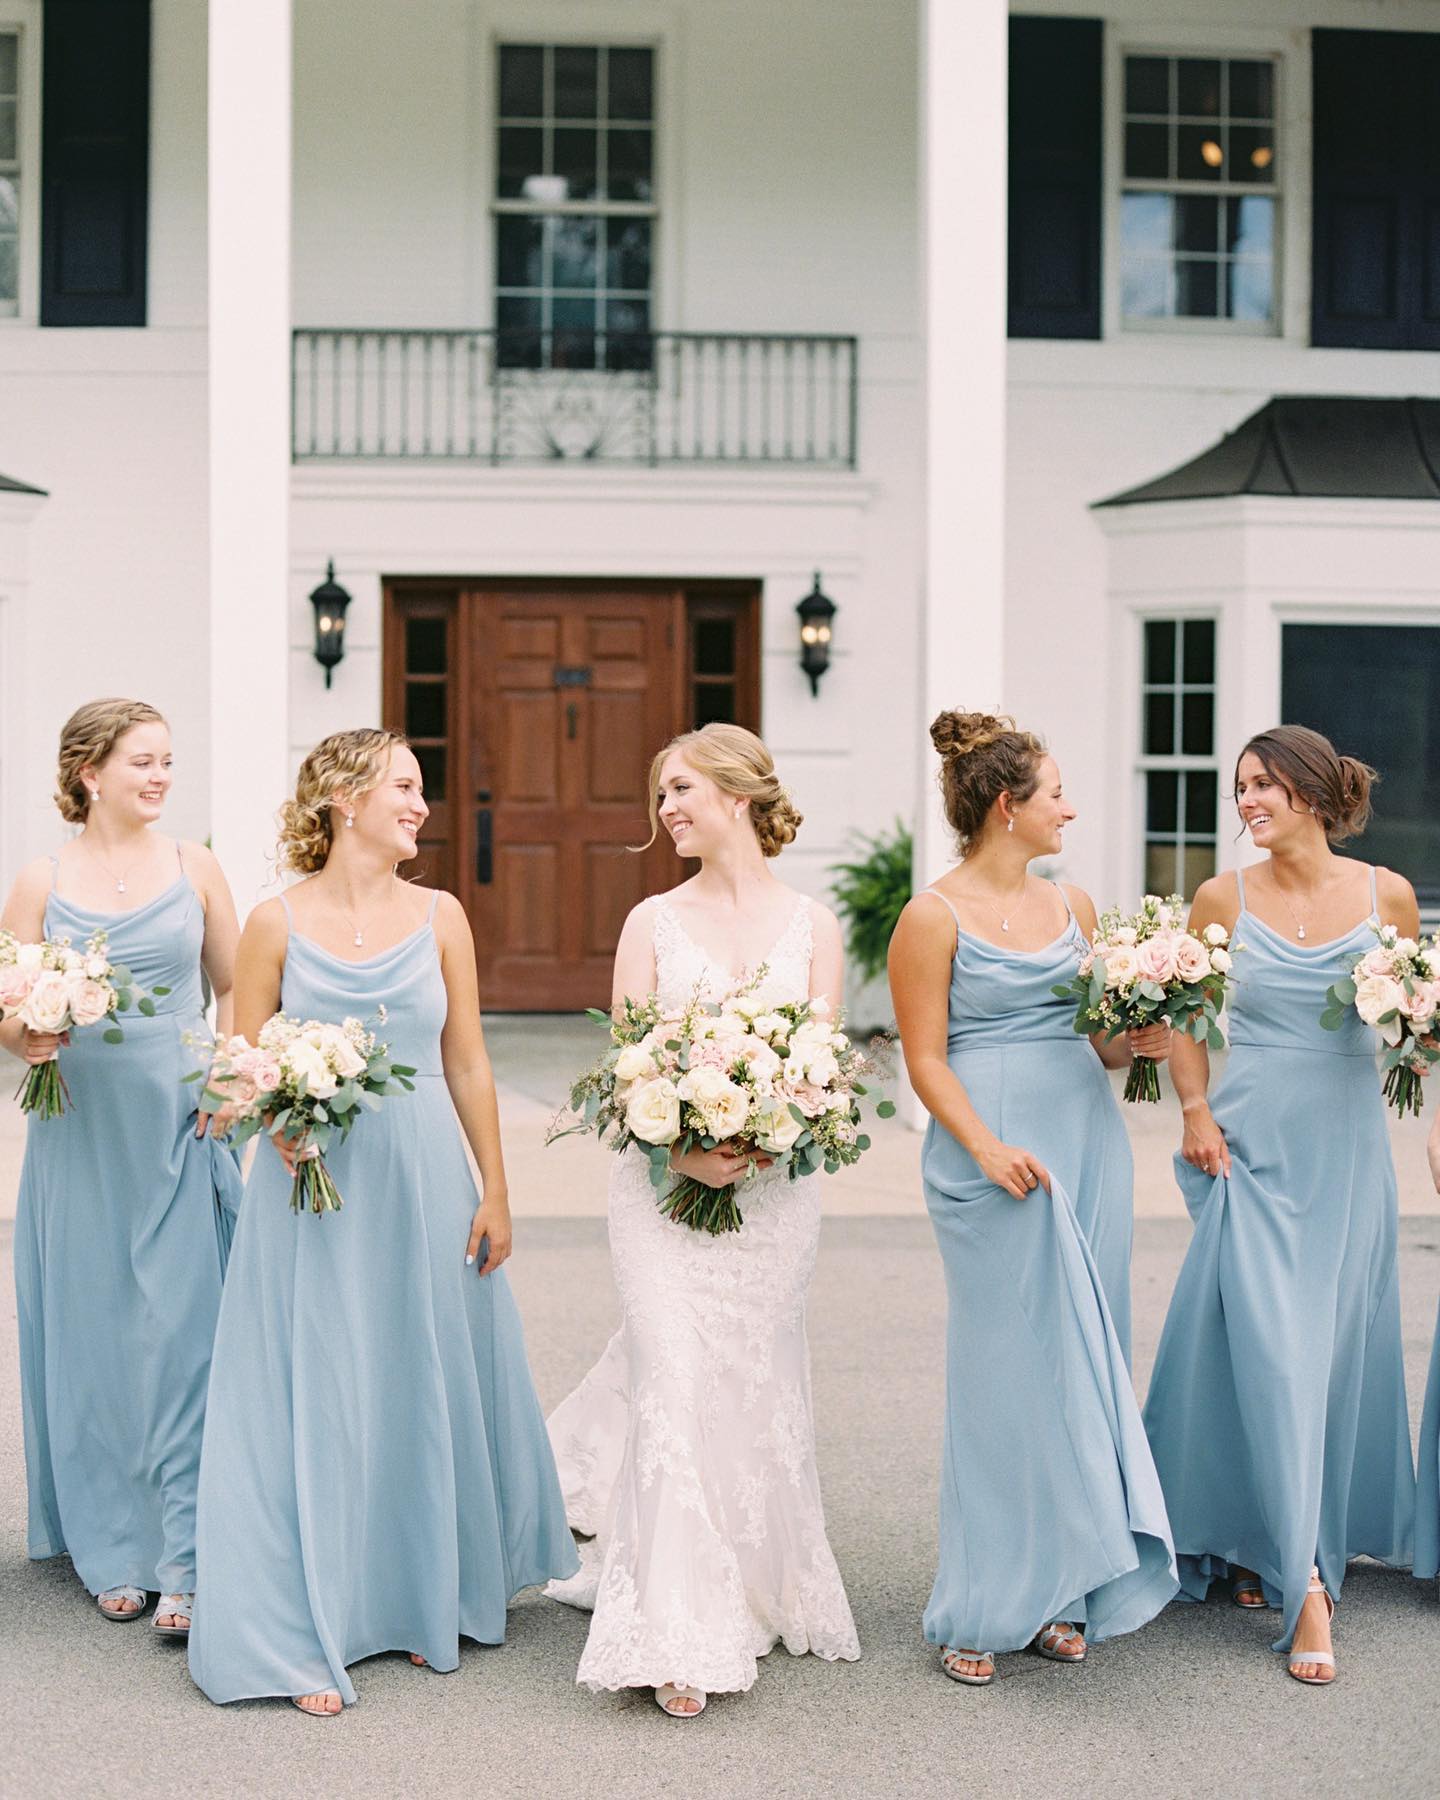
x=1143 y=1080
x=314 y=1190
x=690 y=1202
x=1405 y=1090
x=43 y=1091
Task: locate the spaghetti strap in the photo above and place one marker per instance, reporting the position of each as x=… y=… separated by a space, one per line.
x=1374 y=894
x=289 y=916
x=1240 y=884
x=1064 y=896
x=180 y=855
x=54 y=873
x=434 y=902
x=936 y=894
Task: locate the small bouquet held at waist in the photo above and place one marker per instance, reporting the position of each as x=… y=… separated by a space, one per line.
x=778 y=1082
x=53 y=989
x=305 y=1083
x=1396 y=989
x=1147 y=968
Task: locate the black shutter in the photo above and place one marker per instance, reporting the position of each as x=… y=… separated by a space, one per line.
x=1375 y=281
x=1056 y=120
x=95 y=157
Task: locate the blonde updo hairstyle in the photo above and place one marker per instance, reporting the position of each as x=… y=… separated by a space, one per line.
x=982 y=756
x=86 y=740
x=346 y=762
x=739 y=764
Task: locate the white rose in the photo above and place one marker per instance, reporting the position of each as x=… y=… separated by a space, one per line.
x=746 y=1005
x=307 y=1062
x=760 y=1058
x=820 y=1007
x=30 y=956
x=89 y=1000
x=773 y=1027
x=1405 y=946
x=778 y=1129
x=822 y=1068
x=652 y=1112
x=720 y=1102
x=47 y=1006
x=347 y=1060
x=1215 y=934
x=97 y=967
x=1126 y=934
x=1220 y=960
x=1121 y=966
x=632 y=1062
x=1377 y=995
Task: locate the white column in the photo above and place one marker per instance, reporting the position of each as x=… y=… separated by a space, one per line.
x=22 y=685
x=963 y=130
x=249 y=276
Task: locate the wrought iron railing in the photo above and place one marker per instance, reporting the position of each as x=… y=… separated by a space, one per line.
x=506 y=397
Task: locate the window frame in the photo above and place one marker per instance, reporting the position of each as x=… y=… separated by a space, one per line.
x=1291 y=56
x=1181 y=762
x=593 y=37
x=22 y=17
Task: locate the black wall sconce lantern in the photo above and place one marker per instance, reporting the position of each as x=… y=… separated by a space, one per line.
x=816 y=612
x=330 y=601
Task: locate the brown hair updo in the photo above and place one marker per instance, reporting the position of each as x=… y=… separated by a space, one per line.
x=346 y=762
x=86 y=739
x=739 y=764
x=982 y=755
x=1336 y=788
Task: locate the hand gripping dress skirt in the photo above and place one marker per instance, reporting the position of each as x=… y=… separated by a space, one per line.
x=1277 y=1406
x=376 y=1474
x=689 y=1450
x=1427 y=1510
x=1049 y=1503
x=121 y=1233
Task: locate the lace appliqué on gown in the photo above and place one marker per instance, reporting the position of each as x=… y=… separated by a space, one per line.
x=689 y=1449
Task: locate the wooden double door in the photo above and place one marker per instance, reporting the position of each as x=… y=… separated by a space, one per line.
x=534 y=708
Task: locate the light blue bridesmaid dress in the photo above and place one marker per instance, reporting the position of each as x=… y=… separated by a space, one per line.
x=1049 y=1503
x=376 y=1473
x=121 y=1234
x=1427 y=1510
x=1277 y=1406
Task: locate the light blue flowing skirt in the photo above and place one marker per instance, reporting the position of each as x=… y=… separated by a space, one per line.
x=1049 y=1503
x=1427 y=1511
x=121 y=1233
x=1277 y=1406
x=376 y=1472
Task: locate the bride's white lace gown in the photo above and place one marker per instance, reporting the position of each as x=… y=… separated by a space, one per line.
x=689 y=1449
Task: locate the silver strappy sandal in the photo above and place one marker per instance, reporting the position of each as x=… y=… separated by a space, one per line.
x=139 y=1598
x=179 y=1606
x=1048 y=1642
x=1323 y=1658
x=950 y=1660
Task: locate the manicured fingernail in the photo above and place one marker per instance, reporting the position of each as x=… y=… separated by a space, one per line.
x=468 y=1261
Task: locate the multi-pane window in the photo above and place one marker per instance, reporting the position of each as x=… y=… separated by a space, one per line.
x=427 y=696
x=9 y=172
x=1177 y=741
x=1199 y=208
x=574 y=206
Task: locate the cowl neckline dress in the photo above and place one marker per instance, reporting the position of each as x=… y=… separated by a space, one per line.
x=1277 y=1406
x=376 y=1474
x=122 y=1228
x=1049 y=1503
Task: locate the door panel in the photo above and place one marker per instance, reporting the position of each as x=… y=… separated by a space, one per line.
x=539 y=706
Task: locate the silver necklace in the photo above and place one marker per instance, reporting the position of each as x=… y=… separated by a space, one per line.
x=119 y=879
x=1013 y=912
x=359 y=939
x=1299 y=924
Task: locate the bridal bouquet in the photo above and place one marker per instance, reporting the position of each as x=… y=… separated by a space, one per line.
x=307 y=1082
x=779 y=1081
x=1396 y=989
x=1148 y=969
x=53 y=988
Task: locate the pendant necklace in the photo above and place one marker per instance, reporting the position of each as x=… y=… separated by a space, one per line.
x=1299 y=927
x=359 y=938
x=1014 y=911
x=119 y=879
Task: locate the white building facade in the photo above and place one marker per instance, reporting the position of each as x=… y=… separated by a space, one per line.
x=579 y=335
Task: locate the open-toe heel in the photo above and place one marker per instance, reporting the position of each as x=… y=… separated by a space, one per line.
x=1322 y=1658
x=669 y=1693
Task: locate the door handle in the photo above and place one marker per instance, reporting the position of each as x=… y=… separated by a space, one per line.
x=484 y=847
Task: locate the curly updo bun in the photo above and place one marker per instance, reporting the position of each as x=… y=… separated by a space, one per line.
x=1307 y=765
x=739 y=764
x=982 y=756
x=346 y=762
x=86 y=739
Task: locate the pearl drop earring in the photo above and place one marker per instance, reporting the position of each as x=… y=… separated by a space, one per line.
x=1010 y=825
x=349 y=820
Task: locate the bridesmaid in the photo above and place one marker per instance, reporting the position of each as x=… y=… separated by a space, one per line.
x=1427 y=1514
x=1051 y=1519
x=125 y=1203
x=1277 y=1406
x=376 y=1473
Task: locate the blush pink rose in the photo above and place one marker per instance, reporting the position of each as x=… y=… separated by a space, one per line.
x=14 y=986
x=1192 y=959
x=89 y=1001
x=1156 y=959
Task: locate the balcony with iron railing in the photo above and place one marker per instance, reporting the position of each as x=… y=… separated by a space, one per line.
x=663 y=397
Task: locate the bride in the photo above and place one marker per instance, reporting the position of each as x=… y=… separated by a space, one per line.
x=689 y=1450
